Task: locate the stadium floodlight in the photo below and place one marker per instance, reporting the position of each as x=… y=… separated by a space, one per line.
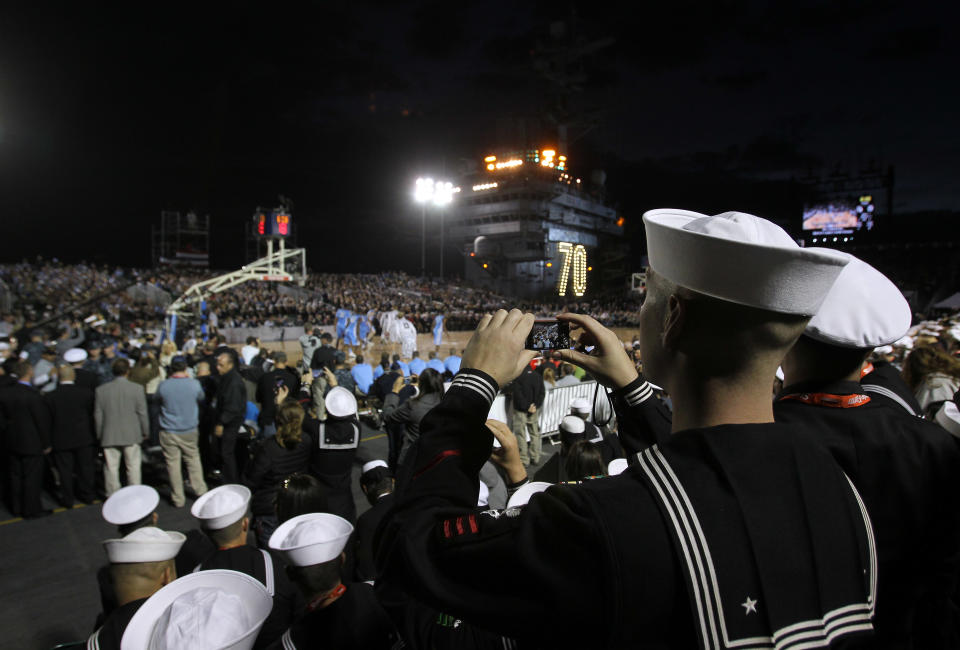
x=440 y=194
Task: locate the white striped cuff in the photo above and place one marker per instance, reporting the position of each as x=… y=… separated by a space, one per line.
x=638 y=394
x=476 y=382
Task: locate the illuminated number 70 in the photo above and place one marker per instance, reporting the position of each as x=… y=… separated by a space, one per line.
x=578 y=259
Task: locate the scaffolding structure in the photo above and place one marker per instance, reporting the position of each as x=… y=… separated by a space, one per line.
x=181 y=239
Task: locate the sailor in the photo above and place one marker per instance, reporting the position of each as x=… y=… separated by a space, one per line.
x=141 y=563
x=376 y=482
x=907 y=469
x=737 y=531
x=77 y=357
x=131 y=508
x=331 y=461
x=608 y=443
x=223 y=515
x=338 y=615
x=572 y=430
x=213 y=610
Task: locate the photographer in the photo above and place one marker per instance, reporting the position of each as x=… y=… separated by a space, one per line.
x=267 y=388
x=731 y=491
x=410 y=413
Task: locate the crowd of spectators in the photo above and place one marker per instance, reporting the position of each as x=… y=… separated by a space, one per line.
x=137 y=298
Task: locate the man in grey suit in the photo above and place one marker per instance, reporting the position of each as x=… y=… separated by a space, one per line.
x=120 y=414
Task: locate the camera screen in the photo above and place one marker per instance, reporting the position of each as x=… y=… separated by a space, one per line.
x=549 y=335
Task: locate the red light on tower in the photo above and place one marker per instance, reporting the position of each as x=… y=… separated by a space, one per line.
x=261 y=225
x=283 y=224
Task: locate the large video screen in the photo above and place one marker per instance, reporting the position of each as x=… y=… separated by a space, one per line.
x=839 y=216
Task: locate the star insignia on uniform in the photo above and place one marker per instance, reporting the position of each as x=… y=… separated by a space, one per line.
x=750 y=605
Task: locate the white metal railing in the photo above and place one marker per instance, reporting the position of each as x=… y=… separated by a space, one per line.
x=556 y=405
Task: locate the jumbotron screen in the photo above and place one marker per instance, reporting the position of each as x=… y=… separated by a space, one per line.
x=839 y=216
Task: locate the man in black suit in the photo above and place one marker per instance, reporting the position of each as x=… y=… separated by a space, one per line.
x=71 y=410
x=267 y=387
x=77 y=357
x=25 y=421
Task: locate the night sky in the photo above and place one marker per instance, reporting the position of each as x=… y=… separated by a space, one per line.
x=111 y=113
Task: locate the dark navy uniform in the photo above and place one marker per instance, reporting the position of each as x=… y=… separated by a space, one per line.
x=363 y=535
x=908 y=471
x=261 y=565
x=355 y=620
x=108 y=636
x=884 y=384
x=686 y=548
x=195 y=549
x=331 y=461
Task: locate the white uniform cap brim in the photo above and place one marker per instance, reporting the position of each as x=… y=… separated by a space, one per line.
x=147 y=544
x=864 y=309
x=572 y=424
x=340 y=402
x=948 y=417
x=75 y=355
x=741 y=259
x=313 y=538
x=523 y=494
x=221 y=506
x=580 y=404
x=252 y=593
x=130 y=504
x=616 y=466
x=373 y=464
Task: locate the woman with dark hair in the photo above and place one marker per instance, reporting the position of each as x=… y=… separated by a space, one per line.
x=278 y=457
x=300 y=494
x=411 y=412
x=933 y=376
x=585 y=460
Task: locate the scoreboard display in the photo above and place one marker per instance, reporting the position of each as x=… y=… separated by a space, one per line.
x=273 y=223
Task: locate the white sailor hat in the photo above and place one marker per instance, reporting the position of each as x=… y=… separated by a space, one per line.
x=206 y=610
x=616 y=466
x=75 y=355
x=221 y=506
x=741 y=259
x=130 y=504
x=147 y=544
x=572 y=424
x=313 y=538
x=525 y=492
x=340 y=402
x=371 y=465
x=863 y=309
x=580 y=404
x=948 y=417
x=483 y=498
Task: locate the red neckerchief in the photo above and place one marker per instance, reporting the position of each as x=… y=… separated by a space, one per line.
x=866 y=370
x=322 y=601
x=827 y=399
